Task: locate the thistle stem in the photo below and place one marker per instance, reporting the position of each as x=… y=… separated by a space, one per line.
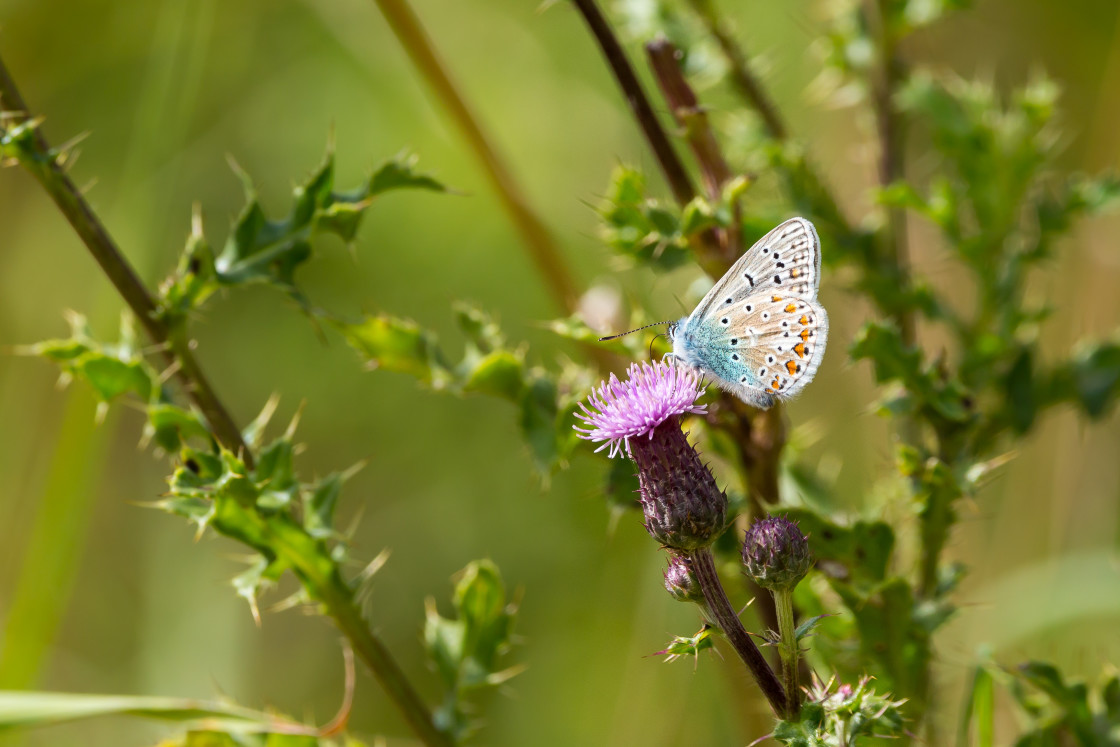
x=320 y=577
x=703 y=565
x=789 y=651
x=44 y=165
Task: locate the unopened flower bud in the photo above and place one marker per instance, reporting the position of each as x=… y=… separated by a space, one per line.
x=680 y=582
x=776 y=553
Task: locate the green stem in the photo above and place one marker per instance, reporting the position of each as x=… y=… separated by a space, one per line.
x=885 y=79
x=703 y=565
x=278 y=536
x=550 y=264
x=37 y=157
x=789 y=651
x=317 y=572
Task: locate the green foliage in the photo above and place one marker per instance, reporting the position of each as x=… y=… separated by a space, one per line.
x=488 y=366
x=120 y=370
x=260 y=249
x=842 y=717
x=226 y=723
x=466 y=648
x=652 y=231
x=1063 y=713
x=689 y=646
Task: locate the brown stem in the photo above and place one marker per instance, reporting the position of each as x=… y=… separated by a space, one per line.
x=703 y=565
x=550 y=264
x=664 y=59
x=44 y=166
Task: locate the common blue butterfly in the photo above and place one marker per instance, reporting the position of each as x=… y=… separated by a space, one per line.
x=760 y=333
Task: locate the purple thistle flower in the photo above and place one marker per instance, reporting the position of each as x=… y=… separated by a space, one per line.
x=683 y=507
x=621 y=410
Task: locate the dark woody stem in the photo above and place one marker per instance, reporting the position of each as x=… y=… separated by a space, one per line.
x=704 y=568
x=43 y=164
x=667 y=158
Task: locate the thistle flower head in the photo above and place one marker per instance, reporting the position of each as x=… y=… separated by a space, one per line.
x=683 y=507
x=776 y=553
x=621 y=410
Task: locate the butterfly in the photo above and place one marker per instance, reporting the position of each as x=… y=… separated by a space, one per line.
x=760 y=333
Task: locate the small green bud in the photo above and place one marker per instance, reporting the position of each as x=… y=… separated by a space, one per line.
x=776 y=553
x=680 y=582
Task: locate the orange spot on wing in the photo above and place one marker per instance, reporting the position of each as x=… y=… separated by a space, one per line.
x=791 y=366
x=799 y=348
x=790 y=308
x=804 y=319
x=775 y=299
x=795 y=273
x=804 y=334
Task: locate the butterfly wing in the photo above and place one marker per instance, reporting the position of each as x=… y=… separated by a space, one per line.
x=764 y=349
x=760 y=332
x=786 y=261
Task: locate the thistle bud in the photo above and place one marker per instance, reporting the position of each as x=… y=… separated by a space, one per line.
x=680 y=582
x=776 y=553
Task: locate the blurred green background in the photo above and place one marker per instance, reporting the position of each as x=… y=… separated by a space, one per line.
x=128 y=602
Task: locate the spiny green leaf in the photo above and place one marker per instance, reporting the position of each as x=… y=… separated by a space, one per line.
x=319 y=505
x=465 y=649
x=538 y=418
x=682 y=646
x=261 y=249
x=500 y=374
x=807 y=627
x=398 y=345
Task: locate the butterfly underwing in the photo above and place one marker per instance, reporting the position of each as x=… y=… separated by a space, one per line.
x=760 y=332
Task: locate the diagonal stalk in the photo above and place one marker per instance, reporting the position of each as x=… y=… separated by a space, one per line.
x=321 y=579
x=43 y=164
x=723 y=614
x=542 y=248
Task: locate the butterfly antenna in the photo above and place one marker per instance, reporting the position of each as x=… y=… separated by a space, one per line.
x=638 y=329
